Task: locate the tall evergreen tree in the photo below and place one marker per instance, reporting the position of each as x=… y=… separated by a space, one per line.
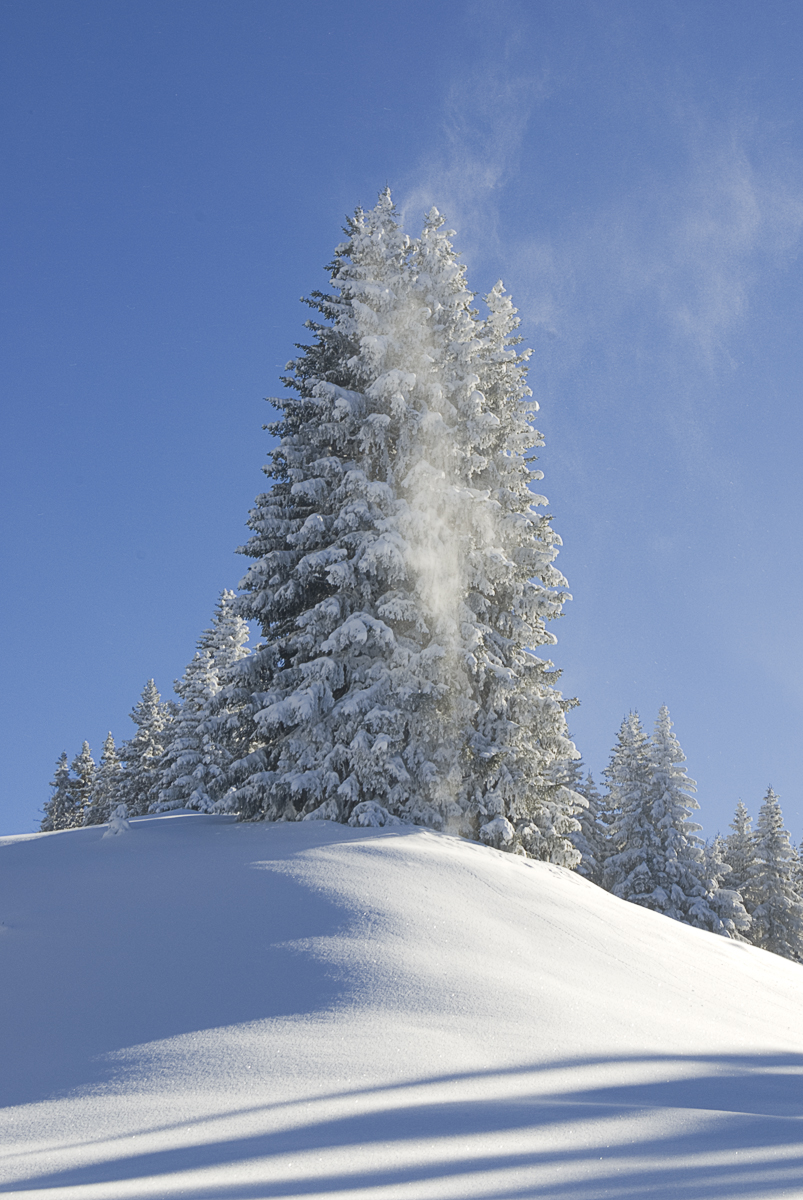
x=142 y=754
x=402 y=573
x=60 y=809
x=196 y=753
x=777 y=908
x=106 y=786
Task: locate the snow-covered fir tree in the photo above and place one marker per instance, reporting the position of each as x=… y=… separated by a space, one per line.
x=740 y=852
x=683 y=890
x=632 y=842
x=197 y=753
x=592 y=838
x=142 y=754
x=798 y=876
x=403 y=573
x=60 y=809
x=118 y=821
x=724 y=901
x=83 y=772
x=775 y=903
x=72 y=787
x=106 y=786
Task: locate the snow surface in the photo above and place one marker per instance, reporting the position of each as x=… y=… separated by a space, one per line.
x=198 y=1008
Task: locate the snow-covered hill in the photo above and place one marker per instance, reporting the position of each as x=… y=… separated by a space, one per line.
x=202 y=1009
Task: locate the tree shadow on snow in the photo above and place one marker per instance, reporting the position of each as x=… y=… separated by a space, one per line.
x=745 y=1109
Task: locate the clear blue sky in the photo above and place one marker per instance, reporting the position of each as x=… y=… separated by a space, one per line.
x=175 y=176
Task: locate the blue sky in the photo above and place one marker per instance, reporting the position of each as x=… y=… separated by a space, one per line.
x=176 y=176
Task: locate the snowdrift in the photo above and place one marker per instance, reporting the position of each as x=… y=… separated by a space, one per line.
x=201 y=1009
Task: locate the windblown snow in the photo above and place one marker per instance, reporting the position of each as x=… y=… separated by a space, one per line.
x=202 y=1009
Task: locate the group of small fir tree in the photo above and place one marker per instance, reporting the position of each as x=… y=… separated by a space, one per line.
x=638 y=841
x=765 y=867
x=177 y=754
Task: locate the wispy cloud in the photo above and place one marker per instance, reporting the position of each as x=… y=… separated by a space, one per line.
x=675 y=258
x=646 y=298
x=676 y=262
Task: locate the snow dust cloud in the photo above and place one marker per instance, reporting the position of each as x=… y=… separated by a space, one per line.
x=689 y=254
x=436 y=533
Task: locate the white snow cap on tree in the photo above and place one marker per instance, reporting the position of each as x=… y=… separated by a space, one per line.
x=403 y=571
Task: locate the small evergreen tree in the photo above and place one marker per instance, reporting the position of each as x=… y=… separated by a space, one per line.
x=402 y=574
x=799 y=870
x=106 y=786
x=724 y=911
x=592 y=838
x=589 y=838
x=83 y=772
x=72 y=786
x=59 y=811
x=118 y=821
x=197 y=753
x=739 y=852
x=142 y=755
x=627 y=869
x=683 y=890
x=777 y=909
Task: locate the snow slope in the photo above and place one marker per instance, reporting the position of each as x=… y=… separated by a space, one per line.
x=202 y=1009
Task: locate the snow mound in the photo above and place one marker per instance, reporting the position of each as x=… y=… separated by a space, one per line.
x=369 y=814
x=118 y=821
x=206 y=1009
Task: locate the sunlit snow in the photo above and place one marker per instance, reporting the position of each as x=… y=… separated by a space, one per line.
x=198 y=1008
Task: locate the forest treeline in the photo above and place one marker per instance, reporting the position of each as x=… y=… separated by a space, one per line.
x=636 y=837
